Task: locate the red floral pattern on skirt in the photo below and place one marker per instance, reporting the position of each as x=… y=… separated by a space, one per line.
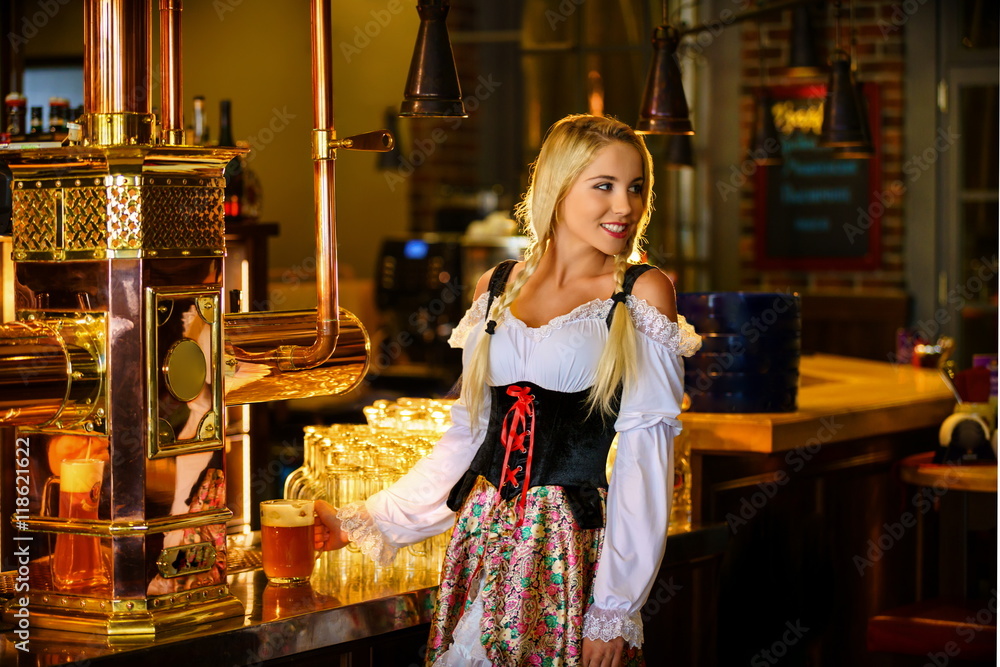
x=539 y=579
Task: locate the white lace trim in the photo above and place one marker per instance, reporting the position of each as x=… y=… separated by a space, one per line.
x=607 y=624
x=476 y=315
x=467 y=649
x=361 y=530
x=679 y=336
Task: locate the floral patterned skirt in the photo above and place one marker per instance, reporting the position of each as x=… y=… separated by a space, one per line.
x=537 y=579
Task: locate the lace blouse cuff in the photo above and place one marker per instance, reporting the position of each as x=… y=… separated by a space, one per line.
x=606 y=624
x=361 y=530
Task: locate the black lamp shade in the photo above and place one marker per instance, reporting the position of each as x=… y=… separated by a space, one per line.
x=866 y=149
x=664 y=108
x=432 y=87
x=842 y=112
x=766 y=148
x=680 y=152
x=803 y=59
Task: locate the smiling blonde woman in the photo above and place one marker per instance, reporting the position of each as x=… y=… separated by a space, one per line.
x=548 y=563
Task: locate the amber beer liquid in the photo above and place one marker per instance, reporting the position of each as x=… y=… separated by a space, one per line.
x=76 y=563
x=286 y=528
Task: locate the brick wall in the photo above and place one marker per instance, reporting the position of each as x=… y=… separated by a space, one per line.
x=879 y=55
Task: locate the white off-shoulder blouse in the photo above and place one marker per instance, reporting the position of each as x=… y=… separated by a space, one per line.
x=562 y=356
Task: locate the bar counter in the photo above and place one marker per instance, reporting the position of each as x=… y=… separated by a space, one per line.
x=840 y=399
x=318 y=623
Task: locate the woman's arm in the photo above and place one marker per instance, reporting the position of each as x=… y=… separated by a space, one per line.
x=640 y=491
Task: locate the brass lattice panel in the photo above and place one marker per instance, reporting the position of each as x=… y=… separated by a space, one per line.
x=178 y=217
x=124 y=215
x=34 y=214
x=86 y=218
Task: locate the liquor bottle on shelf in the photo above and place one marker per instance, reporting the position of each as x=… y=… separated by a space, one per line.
x=200 y=122
x=36 y=120
x=234 y=170
x=58 y=112
x=16 y=117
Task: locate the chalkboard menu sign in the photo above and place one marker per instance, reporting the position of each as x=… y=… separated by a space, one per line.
x=815 y=211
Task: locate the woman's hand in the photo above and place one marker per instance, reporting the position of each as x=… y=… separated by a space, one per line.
x=327 y=534
x=603 y=654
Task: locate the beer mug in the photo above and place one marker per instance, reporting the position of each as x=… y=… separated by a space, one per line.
x=286 y=529
x=76 y=562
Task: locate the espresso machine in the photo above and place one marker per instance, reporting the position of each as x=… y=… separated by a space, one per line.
x=118 y=371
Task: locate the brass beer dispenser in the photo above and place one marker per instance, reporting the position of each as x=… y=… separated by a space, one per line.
x=120 y=352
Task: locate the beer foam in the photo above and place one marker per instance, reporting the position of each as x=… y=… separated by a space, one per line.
x=287 y=513
x=80 y=475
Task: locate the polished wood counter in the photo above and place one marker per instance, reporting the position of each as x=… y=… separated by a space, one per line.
x=840 y=399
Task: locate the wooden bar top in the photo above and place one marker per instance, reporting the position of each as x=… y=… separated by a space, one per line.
x=840 y=398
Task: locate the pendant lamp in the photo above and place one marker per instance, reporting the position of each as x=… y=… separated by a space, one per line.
x=842 y=117
x=664 y=108
x=766 y=145
x=866 y=149
x=803 y=61
x=432 y=88
x=680 y=152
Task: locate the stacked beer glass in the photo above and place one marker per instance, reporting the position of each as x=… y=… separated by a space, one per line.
x=345 y=463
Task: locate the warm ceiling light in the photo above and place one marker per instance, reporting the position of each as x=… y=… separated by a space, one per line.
x=432 y=87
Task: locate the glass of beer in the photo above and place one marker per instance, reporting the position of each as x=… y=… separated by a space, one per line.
x=76 y=562
x=286 y=528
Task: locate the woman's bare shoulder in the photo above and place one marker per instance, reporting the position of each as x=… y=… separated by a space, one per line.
x=484 y=280
x=656 y=289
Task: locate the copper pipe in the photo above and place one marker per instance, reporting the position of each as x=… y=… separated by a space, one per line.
x=117 y=48
x=257 y=333
x=171 y=76
x=324 y=186
x=297 y=357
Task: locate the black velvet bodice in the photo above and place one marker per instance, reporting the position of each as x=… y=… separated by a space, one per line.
x=569 y=448
x=541 y=437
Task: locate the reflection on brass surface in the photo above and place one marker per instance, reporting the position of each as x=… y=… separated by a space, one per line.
x=186 y=559
x=118 y=129
x=184 y=370
x=128 y=617
x=253 y=383
x=207 y=309
x=57 y=367
x=164 y=432
x=302 y=384
x=122 y=528
x=209 y=426
x=185 y=386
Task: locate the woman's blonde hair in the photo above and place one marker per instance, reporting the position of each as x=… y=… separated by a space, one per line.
x=570 y=145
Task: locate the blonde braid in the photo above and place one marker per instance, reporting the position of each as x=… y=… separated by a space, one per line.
x=477 y=373
x=619 y=358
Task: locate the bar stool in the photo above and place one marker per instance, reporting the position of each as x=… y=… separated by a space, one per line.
x=951 y=629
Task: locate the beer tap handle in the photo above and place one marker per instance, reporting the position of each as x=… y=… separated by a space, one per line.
x=379 y=141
